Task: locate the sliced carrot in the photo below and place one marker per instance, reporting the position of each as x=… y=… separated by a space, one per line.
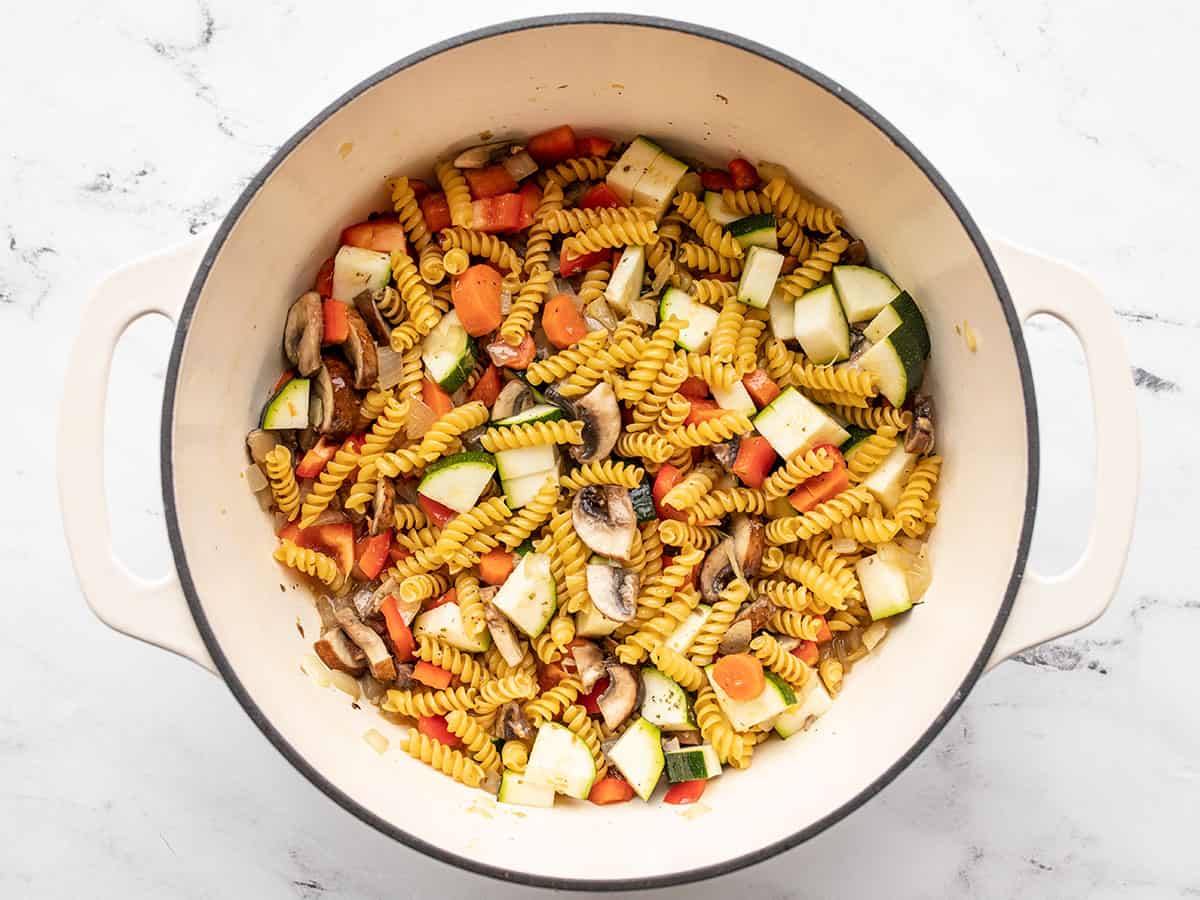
x=610 y=790
x=402 y=637
x=324 y=281
x=562 y=321
x=487 y=388
x=436 y=398
x=476 y=296
x=495 y=566
x=451 y=596
x=740 y=675
x=434 y=676
x=510 y=357
x=807 y=652
x=760 y=387
x=694 y=388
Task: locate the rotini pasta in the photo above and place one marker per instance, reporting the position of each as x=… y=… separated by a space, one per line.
x=842 y=379
x=416 y=588
x=712 y=234
x=876 y=417
x=789 y=204
x=501 y=690
x=455 y=661
x=606 y=472
x=681 y=534
x=478 y=243
x=716 y=730
x=719 y=504
x=336 y=471
x=711 y=431
x=415 y=704
x=515 y=755
x=563 y=363
x=470 y=605
x=530 y=517
x=311 y=563
x=819 y=519
x=617 y=234
x=723 y=342
x=910 y=510
x=278 y=464
x=458 y=194
x=693 y=487
x=551 y=703
x=532 y=434
x=865 y=457
x=673 y=414
x=577 y=168
x=678 y=668
x=474 y=738
x=784 y=594
x=716 y=374
x=446 y=760
x=704 y=646
x=565 y=221
x=815 y=268
x=801 y=466
x=867 y=529
x=779 y=661
x=595 y=280
x=698 y=256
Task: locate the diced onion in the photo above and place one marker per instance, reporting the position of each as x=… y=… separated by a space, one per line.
x=377 y=741
x=255 y=479
x=391 y=365
x=768 y=171
x=345 y=683
x=265 y=500
x=670 y=745
x=599 y=310
x=919 y=574
x=520 y=165
x=845 y=546
x=874 y=633
x=643 y=311
x=420 y=418
x=316 y=670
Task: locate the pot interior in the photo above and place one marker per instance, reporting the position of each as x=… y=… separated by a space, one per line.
x=706 y=99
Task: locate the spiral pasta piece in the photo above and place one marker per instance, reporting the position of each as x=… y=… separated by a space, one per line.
x=415 y=294
x=409 y=214
x=624 y=474
x=712 y=431
x=831 y=671
x=793 y=238
x=577 y=721
x=453 y=660
x=781 y=362
x=704 y=647
x=660 y=259
x=478 y=243
x=656 y=590
x=532 y=434
x=813 y=270
x=445 y=759
x=712 y=234
x=470 y=605
x=531 y=516
x=456 y=261
x=867 y=529
x=784 y=594
x=789 y=204
x=565 y=221
x=819 y=519
x=723 y=342
x=678 y=668
x=568 y=552
x=458 y=194
x=462 y=527
x=874 y=418
x=549 y=704
x=278 y=464
x=780 y=661
x=745 y=355
x=422 y=560
x=657 y=352
x=823 y=586
x=501 y=690
x=595 y=280
x=681 y=534
x=336 y=471
x=617 y=355
x=537 y=243
x=373 y=403
x=800 y=466
x=437 y=440
x=716 y=730
x=719 y=504
x=649 y=562
x=646 y=411
x=844 y=379
x=412 y=528
x=772 y=560
x=651 y=447
x=577 y=168
x=836 y=566
x=715 y=374
x=311 y=563
x=474 y=738
x=515 y=755
x=425 y=586
x=563 y=363
x=415 y=704
x=746 y=203
x=674 y=413
x=617 y=234
x=551 y=645
x=865 y=456
x=910 y=510
x=655 y=631
x=797 y=625
x=496 y=664
x=713 y=292
x=698 y=256
x=688 y=492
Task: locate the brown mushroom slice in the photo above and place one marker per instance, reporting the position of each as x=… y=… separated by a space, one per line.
x=737 y=637
x=368 y=302
x=622 y=696
x=613 y=590
x=919 y=438
x=404 y=673
x=749 y=541
x=338 y=652
x=589 y=663
x=726 y=453
x=339 y=401
x=515 y=397
x=514 y=726
x=756 y=612
x=689 y=738
x=601 y=417
x=359 y=348
x=482 y=154
x=260 y=443
x=302 y=333
x=603 y=518
x=717 y=571
x=380 y=660
x=504 y=635
x=383 y=514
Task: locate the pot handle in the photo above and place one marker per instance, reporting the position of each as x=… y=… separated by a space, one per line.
x=1049 y=607
x=152 y=611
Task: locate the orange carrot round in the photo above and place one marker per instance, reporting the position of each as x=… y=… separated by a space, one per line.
x=476 y=297
x=740 y=675
x=562 y=321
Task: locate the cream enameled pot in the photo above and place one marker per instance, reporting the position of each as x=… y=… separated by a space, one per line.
x=223 y=607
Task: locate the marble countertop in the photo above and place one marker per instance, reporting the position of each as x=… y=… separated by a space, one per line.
x=1072 y=771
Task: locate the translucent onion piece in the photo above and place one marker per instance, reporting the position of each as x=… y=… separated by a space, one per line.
x=316 y=670
x=391 y=364
x=920 y=573
x=520 y=165
x=690 y=183
x=255 y=479
x=377 y=741
x=420 y=418
x=345 y=683
x=874 y=633
x=644 y=311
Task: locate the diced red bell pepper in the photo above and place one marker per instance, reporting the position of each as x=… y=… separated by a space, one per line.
x=436 y=211
x=403 y=643
x=589 y=701
x=702 y=410
x=314 y=460
x=549 y=675
x=684 y=792
x=383 y=235
x=490 y=182
x=451 y=596
x=495 y=566
x=610 y=790
x=553 y=146
x=598 y=196
x=371 y=553
x=518 y=357
x=323 y=284
x=593 y=146
x=419 y=187
x=666 y=478
x=337 y=321
x=572 y=265
x=487 y=388
x=500 y=213
x=435 y=397
x=301 y=537
x=754 y=459
x=760 y=387
x=432 y=676
x=807 y=652
x=438 y=514
x=743 y=174
x=816 y=490
x=823 y=631
x=531 y=198
x=338 y=539
x=436 y=728
x=694 y=388
x=716 y=180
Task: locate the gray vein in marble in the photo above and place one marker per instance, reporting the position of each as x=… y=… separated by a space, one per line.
x=30 y=269
x=1068 y=656
x=1151 y=382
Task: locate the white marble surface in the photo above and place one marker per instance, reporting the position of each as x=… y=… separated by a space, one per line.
x=1073 y=771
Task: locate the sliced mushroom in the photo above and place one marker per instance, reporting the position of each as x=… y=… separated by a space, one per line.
x=260 y=443
x=514 y=397
x=749 y=540
x=613 y=590
x=404 y=679
x=383 y=514
x=472 y=438
x=589 y=662
x=919 y=438
x=601 y=418
x=737 y=637
x=689 y=738
x=622 y=696
x=756 y=612
x=482 y=155
x=603 y=518
x=726 y=453
x=513 y=724
x=507 y=643
x=855 y=253
x=368 y=302
x=360 y=350
x=339 y=400
x=302 y=333
x=382 y=665
x=338 y=652
x=717 y=571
